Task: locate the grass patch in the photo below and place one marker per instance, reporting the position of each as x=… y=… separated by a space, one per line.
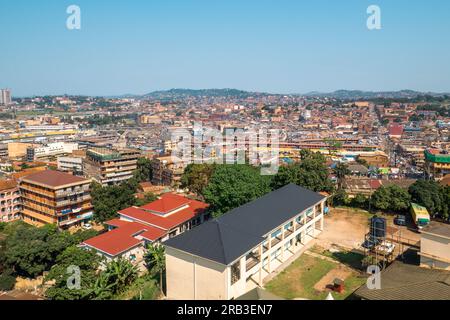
x=298 y=280
x=144 y=288
x=351 y=259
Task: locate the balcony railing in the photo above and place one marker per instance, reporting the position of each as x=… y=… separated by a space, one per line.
x=251 y=263
x=288 y=232
x=275 y=241
x=73 y=201
x=71 y=192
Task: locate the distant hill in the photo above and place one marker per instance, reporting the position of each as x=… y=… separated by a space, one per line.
x=183 y=93
x=358 y=94
x=175 y=94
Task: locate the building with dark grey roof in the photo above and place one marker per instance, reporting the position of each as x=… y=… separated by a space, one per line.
x=228 y=256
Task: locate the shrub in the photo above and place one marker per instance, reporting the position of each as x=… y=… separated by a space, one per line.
x=7 y=281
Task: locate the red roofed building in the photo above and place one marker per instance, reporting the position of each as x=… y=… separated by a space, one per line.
x=395 y=131
x=157 y=221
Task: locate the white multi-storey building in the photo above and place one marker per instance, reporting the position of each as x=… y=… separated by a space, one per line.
x=226 y=257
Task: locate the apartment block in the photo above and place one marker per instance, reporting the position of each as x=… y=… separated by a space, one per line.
x=53 y=197
x=226 y=257
x=437 y=164
x=70 y=164
x=110 y=166
x=167 y=170
x=5 y=97
x=9 y=201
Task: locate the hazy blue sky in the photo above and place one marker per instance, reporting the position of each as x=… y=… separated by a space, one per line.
x=278 y=46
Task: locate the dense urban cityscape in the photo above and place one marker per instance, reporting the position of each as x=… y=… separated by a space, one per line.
x=213 y=159
x=100 y=177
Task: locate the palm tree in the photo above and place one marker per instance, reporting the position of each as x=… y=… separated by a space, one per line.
x=156 y=261
x=341 y=170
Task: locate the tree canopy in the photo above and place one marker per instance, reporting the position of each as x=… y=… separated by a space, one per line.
x=196 y=177
x=144 y=170
x=110 y=199
x=29 y=251
x=231 y=186
x=310 y=173
x=432 y=196
x=391 y=198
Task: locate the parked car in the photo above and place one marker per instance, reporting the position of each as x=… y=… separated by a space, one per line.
x=400 y=220
x=87 y=226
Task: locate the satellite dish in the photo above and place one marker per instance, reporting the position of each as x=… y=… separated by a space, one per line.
x=329 y=297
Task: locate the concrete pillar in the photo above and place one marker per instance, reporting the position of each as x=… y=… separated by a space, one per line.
x=269 y=251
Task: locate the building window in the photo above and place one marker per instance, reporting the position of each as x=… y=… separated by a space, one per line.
x=235 y=272
x=288 y=226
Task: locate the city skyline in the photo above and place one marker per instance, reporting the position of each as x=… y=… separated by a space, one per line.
x=287 y=48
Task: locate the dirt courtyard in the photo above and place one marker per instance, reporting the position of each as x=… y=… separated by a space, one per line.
x=347 y=227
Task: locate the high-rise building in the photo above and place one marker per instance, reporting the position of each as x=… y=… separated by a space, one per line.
x=5 y=97
x=53 y=197
x=110 y=166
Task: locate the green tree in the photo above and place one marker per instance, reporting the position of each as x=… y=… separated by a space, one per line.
x=310 y=173
x=101 y=289
x=107 y=201
x=341 y=170
x=332 y=145
x=362 y=162
x=231 y=186
x=120 y=273
x=391 y=198
x=155 y=261
x=7 y=280
x=359 y=201
x=340 y=198
x=29 y=251
x=196 y=177
x=144 y=170
x=148 y=197
x=432 y=196
x=87 y=260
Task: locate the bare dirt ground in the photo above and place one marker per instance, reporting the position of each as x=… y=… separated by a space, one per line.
x=341 y=272
x=346 y=228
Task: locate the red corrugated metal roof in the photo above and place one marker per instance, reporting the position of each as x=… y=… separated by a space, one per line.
x=375 y=184
x=150 y=226
x=168 y=202
x=396 y=130
x=122 y=239
x=170 y=221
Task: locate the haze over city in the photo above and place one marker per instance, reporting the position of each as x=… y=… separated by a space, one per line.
x=272 y=46
x=244 y=151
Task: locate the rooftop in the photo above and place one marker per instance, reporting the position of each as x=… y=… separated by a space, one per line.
x=230 y=236
x=7 y=184
x=437 y=228
x=167 y=203
x=402 y=281
x=123 y=238
x=165 y=218
x=53 y=179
